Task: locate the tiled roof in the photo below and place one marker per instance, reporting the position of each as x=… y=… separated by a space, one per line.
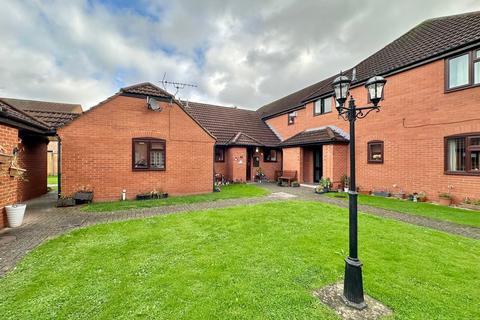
x=34 y=105
x=316 y=136
x=53 y=114
x=10 y=112
x=429 y=40
x=54 y=119
x=242 y=139
x=147 y=89
x=232 y=126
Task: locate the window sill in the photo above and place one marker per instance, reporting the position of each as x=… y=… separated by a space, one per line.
x=220 y=161
x=270 y=161
x=374 y=162
x=149 y=169
x=468 y=86
x=461 y=173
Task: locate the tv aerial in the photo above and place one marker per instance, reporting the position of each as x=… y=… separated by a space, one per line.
x=177 y=85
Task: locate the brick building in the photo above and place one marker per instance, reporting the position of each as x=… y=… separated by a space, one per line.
x=426 y=136
x=25 y=136
x=139 y=140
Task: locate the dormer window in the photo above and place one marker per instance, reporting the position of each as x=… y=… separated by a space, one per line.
x=323 y=106
x=291 y=117
x=463 y=70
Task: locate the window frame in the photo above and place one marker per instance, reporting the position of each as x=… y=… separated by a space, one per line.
x=471 y=69
x=291 y=115
x=370 y=160
x=215 y=153
x=322 y=106
x=149 y=142
x=468 y=149
x=267 y=151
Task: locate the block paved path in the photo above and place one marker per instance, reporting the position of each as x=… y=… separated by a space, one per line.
x=43 y=220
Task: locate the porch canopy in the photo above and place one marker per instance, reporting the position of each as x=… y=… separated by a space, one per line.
x=317 y=136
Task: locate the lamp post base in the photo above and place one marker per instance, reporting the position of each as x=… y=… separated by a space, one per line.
x=353 y=284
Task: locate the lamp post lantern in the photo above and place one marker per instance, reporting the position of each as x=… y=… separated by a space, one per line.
x=353 y=283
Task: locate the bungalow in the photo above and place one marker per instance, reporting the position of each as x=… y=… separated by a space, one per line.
x=139 y=140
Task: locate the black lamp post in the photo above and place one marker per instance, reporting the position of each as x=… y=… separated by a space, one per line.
x=353 y=285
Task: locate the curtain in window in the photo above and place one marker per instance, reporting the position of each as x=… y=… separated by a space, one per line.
x=327 y=104
x=318 y=107
x=458 y=71
x=456 y=154
x=476 y=72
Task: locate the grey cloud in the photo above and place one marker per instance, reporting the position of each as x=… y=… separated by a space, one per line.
x=254 y=51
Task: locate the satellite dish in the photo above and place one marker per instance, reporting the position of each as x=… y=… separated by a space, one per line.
x=153 y=104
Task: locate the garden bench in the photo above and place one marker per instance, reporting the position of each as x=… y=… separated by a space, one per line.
x=289 y=176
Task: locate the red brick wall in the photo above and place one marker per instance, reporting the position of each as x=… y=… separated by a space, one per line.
x=8 y=186
x=293 y=160
x=335 y=162
x=33 y=158
x=236 y=158
x=414 y=157
x=97 y=151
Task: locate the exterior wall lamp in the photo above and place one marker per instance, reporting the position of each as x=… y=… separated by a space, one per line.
x=353 y=283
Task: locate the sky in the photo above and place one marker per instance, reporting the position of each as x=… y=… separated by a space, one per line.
x=238 y=53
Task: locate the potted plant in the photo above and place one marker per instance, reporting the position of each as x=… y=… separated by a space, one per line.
x=345 y=182
x=326 y=184
x=445 y=199
x=419 y=197
x=63 y=201
x=83 y=195
x=260 y=175
x=295 y=184
x=15 y=213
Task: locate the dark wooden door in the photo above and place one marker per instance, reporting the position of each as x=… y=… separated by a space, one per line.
x=317 y=164
x=249 y=164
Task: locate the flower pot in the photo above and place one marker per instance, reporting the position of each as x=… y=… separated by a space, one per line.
x=445 y=201
x=83 y=196
x=345 y=189
x=15 y=214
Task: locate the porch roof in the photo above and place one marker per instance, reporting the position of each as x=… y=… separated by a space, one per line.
x=324 y=135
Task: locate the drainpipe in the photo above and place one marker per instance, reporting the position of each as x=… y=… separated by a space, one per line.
x=59 y=166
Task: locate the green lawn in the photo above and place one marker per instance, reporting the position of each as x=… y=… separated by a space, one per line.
x=52 y=180
x=437 y=212
x=246 y=262
x=228 y=192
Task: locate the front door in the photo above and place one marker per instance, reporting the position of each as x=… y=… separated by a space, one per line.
x=249 y=164
x=317 y=164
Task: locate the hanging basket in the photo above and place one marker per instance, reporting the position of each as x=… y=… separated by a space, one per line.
x=17 y=172
x=5 y=158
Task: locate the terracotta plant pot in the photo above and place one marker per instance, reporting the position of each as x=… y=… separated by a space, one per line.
x=445 y=202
